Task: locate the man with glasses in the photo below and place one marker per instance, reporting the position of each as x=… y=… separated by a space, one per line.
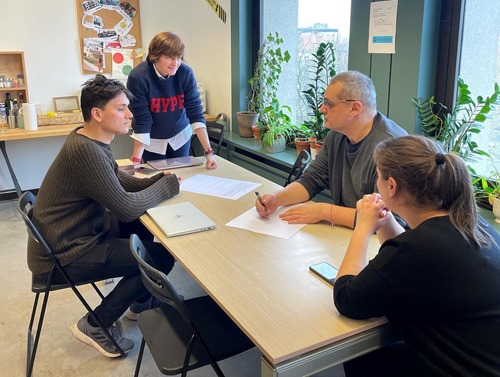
x=344 y=165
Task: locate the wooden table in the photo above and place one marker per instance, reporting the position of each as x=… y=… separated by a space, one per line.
x=263 y=283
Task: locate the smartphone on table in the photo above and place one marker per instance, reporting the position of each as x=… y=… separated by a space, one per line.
x=145 y=170
x=325 y=271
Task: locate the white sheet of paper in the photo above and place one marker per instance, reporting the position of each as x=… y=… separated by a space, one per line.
x=272 y=226
x=382 y=28
x=220 y=187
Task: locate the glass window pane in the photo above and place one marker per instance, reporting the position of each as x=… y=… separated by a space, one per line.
x=480 y=69
x=303 y=24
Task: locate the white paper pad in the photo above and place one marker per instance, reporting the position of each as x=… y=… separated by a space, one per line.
x=220 y=187
x=272 y=226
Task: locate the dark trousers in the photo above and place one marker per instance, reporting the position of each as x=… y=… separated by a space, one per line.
x=112 y=258
x=170 y=153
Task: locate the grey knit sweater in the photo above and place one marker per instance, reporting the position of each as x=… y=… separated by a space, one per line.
x=82 y=197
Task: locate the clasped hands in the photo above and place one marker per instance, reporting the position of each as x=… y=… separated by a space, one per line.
x=372 y=213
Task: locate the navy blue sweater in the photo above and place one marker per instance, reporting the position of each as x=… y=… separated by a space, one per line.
x=164 y=107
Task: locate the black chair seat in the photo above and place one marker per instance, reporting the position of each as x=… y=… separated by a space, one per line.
x=39 y=284
x=167 y=335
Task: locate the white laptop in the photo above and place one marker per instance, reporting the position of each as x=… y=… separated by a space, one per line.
x=181 y=218
x=175 y=162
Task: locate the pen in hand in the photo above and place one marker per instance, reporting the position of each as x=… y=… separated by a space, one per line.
x=260 y=200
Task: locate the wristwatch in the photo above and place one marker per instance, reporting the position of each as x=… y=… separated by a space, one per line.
x=208 y=151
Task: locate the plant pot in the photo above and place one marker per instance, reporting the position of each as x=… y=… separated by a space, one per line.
x=301 y=144
x=312 y=145
x=496 y=209
x=256 y=132
x=246 y=119
x=279 y=145
x=319 y=145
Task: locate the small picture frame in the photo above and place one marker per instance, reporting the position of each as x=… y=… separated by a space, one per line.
x=66 y=104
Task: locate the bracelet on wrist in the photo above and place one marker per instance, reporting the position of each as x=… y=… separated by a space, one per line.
x=208 y=151
x=137 y=160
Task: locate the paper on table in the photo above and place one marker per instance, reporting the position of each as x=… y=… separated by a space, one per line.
x=272 y=226
x=220 y=187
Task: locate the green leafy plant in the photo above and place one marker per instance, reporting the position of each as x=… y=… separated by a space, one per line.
x=486 y=189
x=278 y=124
x=322 y=70
x=267 y=71
x=455 y=129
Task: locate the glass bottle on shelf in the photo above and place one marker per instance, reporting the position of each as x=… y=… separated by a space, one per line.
x=9 y=103
x=15 y=112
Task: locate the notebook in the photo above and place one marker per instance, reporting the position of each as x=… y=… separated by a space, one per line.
x=175 y=162
x=181 y=218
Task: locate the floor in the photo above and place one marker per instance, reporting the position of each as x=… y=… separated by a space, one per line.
x=59 y=353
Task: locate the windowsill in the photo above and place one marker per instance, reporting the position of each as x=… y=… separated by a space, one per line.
x=251 y=146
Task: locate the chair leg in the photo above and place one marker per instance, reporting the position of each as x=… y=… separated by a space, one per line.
x=33 y=346
x=139 y=358
x=96 y=288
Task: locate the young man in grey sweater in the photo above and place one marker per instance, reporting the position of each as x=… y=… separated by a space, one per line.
x=87 y=208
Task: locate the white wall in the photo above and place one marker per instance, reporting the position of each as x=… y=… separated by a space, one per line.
x=47 y=32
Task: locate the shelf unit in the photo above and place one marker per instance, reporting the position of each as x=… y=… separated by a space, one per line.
x=12 y=66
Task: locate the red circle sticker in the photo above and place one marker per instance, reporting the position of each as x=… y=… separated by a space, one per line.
x=118 y=58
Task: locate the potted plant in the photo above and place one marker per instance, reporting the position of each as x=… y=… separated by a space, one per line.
x=322 y=71
x=278 y=129
x=264 y=82
x=486 y=189
x=455 y=129
x=302 y=135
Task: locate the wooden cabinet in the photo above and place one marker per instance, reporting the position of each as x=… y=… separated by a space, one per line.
x=13 y=78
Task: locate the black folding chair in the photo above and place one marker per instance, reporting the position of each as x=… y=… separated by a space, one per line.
x=301 y=163
x=215 y=133
x=45 y=285
x=183 y=335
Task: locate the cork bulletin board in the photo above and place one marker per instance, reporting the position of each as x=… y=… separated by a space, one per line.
x=110 y=36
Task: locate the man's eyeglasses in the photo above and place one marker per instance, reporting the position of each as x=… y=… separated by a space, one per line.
x=331 y=103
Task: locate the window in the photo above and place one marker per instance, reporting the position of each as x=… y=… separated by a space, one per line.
x=479 y=67
x=303 y=24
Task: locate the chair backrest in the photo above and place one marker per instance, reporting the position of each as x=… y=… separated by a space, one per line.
x=215 y=133
x=301 y=163
x=155 y=281
x=24 y=206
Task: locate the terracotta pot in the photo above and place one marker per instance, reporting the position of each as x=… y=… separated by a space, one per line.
x=246 y=119
x=312 y=145
x=256 y=132
x=319 y=145
x=301 y=144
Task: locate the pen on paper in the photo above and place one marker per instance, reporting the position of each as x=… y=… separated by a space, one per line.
x=260 y=200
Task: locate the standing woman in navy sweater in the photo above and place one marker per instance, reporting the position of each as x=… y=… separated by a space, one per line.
x=167 y=107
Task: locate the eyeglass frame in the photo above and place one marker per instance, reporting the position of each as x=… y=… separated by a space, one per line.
x=329 y=103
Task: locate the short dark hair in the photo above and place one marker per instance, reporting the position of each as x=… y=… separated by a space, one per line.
x=97 y=92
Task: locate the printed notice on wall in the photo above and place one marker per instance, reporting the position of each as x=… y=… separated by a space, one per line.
x=382 y=31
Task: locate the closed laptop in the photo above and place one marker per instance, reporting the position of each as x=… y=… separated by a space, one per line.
x=175 y=162
x=181 y=218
